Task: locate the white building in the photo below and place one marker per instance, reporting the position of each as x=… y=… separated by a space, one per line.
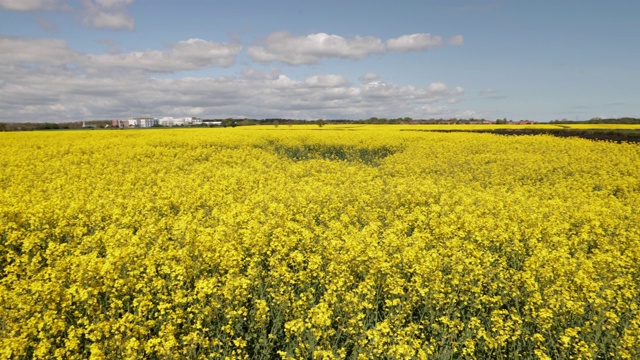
x=166 y=121
x=142 y=122
x=147 y=122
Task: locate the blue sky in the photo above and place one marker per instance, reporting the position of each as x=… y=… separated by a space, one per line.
x=69 y=60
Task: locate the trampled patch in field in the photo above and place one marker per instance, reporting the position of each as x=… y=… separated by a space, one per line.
x=350 y=153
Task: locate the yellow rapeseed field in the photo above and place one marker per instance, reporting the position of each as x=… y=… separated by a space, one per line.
x=357 y=242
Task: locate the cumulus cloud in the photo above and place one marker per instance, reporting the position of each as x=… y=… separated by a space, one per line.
x=46 y=80
x=414 y=42
x=456 y=40
x=296 y=50
x=443 y=89
x=310 y=49
x=189 y=54
x=420 y=42
x=110 y=4
x=30 y=5
x=328 y=80
x=369 y=77
x=114 y=20
x=184 y=55
x=101 y=14
x=434 y=92
x=63 y=94
x=35 y=51
x=253 y=74
x=108 y=14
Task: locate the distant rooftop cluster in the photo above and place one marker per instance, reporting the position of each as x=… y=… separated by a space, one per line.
x=147 y=122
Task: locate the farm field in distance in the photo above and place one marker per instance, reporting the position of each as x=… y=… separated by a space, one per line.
x=341 y=241
x=606 y=132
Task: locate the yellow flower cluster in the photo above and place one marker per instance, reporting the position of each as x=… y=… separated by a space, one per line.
x=295 y=242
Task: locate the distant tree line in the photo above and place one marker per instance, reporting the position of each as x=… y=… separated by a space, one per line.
x=231 y=122
x=31 y=126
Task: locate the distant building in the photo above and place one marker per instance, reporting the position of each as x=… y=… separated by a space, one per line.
x=189 y=121
x=166 y=121
x=141 y=122
x=119 y=123
x=147 y=122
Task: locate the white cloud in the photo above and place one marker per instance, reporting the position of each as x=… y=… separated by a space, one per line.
x=46 y=80
x=456 y=40
x=62 y=94
x=109 y=4
x=328 y=80
x=312 y=48
x=369 y=77
x=113 y=20
x=190 y=54
x=253 y=74
x=108 y=14
x=35 y=51
x=434 y=92
x=296 y=50
x=442 y=88
x=420 y=42
x=414 y=42
x=101 y=14
x=30 y=5
x=184 y=55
